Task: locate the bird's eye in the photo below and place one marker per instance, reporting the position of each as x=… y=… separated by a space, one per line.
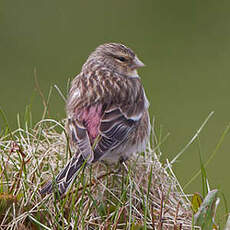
x=121 y=58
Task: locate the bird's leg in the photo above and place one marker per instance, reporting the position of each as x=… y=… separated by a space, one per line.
x=120 y=163
x=123 y=159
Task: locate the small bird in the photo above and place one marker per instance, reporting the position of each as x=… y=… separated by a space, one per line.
x=107 y=112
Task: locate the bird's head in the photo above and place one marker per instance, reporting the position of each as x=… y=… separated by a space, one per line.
x=118 y=58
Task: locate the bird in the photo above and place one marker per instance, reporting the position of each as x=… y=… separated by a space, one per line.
x=107 y=113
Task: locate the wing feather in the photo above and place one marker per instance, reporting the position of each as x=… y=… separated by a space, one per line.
x=81 y=138
x=114 y=129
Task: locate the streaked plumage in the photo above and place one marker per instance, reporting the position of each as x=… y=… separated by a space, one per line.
x=106 y=108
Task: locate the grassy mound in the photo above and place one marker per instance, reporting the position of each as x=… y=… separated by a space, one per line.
x=140 y=194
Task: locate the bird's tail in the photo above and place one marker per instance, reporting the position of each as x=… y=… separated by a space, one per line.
x=65 y=178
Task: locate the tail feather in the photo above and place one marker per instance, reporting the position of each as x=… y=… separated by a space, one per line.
x=65 y=178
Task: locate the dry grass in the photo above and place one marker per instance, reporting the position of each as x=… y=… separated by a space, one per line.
x=141 y=194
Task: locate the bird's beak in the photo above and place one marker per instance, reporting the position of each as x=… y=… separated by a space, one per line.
x=138 y=63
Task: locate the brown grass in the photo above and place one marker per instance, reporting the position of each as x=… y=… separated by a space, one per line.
x=140 y=194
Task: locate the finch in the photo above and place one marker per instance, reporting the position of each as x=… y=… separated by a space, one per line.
x=107 y=112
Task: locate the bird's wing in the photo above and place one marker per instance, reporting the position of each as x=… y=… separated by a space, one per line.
x=80 y=136
x=114 y=129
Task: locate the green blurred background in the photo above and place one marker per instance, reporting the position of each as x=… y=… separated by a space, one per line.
x=184 y=44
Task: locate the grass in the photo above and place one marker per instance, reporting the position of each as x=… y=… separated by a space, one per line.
x=139 y=194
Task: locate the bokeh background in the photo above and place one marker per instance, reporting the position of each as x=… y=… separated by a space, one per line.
x=184 y=44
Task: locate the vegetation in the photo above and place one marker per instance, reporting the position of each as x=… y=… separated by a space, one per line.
x=142 y=193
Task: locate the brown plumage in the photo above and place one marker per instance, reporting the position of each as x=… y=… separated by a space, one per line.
x=107 y=109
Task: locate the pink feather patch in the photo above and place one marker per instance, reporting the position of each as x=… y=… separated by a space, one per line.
x=91 y=117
